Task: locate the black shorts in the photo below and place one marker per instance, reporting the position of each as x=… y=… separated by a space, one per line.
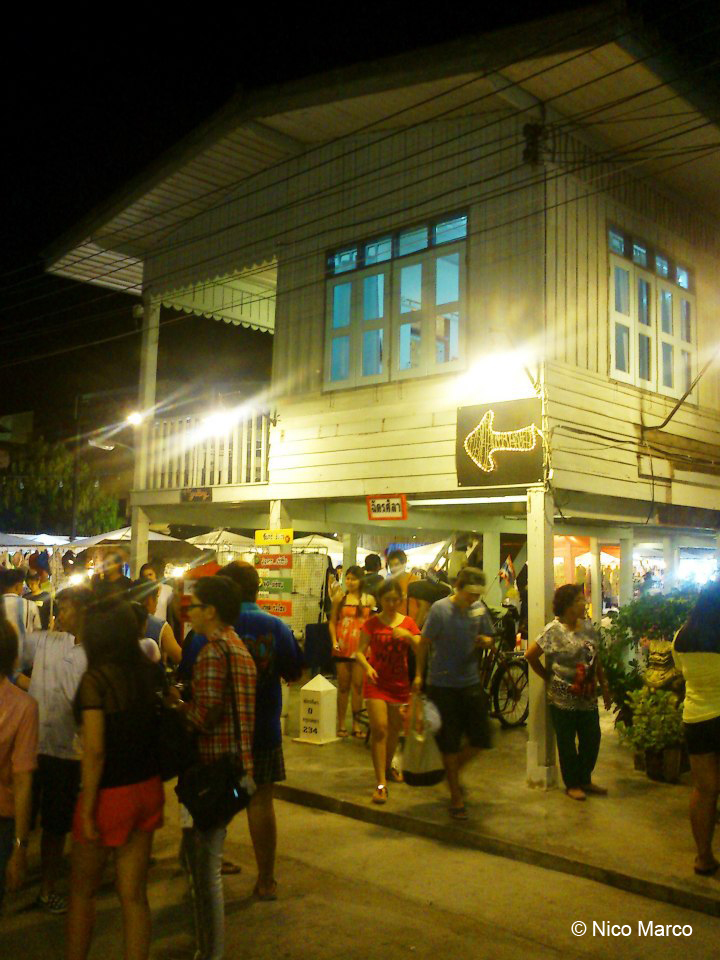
x=463 y=711
x=56 y=786
x=703 y=737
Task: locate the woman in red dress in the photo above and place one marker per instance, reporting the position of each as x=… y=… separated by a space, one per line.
x=383 y=653
x=350 y=609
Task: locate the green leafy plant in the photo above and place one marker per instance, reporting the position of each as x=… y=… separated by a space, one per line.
x=656 y=721
x=652 y=617
x=623 y=675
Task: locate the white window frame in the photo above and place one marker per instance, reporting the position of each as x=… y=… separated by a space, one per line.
x=654 y=330
x=392 y=320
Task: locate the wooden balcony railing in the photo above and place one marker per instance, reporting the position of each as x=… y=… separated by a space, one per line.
x=184 y=454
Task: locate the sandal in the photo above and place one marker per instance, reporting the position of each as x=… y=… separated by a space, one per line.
x=594 y=788
x=394 y=776
x=265 y=897
x=343 y=734
x=575 y=793
x=707 y=871
x=229 y=869
x=459 y=813
x=381 y=794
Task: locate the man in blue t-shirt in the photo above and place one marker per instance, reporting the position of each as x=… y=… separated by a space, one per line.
x=457 y=628
x=277 y=655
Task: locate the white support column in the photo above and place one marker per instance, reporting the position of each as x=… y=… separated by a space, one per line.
x=717 y=556
x=139 y=529
x=491 y=566
x=626 y=570
x=541 y=768
x=669 y=558
x=146 y=388
x=349 y=542
x=595 y=580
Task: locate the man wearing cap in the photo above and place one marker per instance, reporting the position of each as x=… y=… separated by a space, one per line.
x=456 y=630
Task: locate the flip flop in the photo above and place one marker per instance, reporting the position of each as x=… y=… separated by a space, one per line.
x=459 y=813
x=707 y=871
x=394 y=776
x=229 y=869
x=343 y=734
x=381 y=794
x=358 y=734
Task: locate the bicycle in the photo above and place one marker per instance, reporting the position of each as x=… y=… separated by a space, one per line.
x=504 y=674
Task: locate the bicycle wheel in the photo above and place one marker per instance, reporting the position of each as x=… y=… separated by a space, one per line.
x=511 y=693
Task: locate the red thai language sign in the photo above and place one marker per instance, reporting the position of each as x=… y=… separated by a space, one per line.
x=278 y=608
x=274 y=561
x=392 y=506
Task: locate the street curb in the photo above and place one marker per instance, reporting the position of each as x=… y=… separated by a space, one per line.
x=688 y=899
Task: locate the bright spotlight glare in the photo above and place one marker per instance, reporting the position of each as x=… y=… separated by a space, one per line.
x=497 y=377
x=76 y=579
x=219 y=422
x=135 y=418
x=176 y=572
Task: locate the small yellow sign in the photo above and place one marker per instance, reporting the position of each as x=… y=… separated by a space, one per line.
x=273 y=538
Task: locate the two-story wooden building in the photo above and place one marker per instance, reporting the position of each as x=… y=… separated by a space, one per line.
x=524 y=224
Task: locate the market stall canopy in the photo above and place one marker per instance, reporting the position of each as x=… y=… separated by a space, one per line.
x=162 y=546
x=425 y=554
x=47 y=539
x=222 y=538
x=334 y=548
x=14 y=540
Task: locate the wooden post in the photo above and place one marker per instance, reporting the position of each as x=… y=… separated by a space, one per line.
x=541 y=769
x=626 y=570
x=595 y=580
x=491 y=566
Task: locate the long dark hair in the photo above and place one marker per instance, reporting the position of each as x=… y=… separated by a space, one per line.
x=111 y=637
x=701 y=631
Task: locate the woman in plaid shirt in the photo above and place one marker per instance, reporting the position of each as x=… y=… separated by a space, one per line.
x=215 y=605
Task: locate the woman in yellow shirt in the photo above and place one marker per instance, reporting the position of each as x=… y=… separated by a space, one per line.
x=696 y=651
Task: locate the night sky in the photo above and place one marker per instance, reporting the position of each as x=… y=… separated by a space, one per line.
x=88 y=107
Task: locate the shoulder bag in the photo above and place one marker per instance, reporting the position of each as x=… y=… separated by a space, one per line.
x=214 y=792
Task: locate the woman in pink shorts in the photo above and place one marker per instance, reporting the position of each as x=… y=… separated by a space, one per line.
x=383 y=653
x=121 y=803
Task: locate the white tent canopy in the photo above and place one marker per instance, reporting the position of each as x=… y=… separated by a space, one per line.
x=13 y=540
x=116 y=536
x=222 y=538
x=424 y=555
x=334 y=548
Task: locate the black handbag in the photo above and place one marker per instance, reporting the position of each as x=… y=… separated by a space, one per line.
x=176 y=747
x=214 y=792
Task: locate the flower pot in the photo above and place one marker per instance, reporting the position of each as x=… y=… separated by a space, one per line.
x=654 y=764
x=672 y=760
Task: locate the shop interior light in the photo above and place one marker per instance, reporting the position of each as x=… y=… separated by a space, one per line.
x=76 y=579
x=135 y=418
x=466 y=501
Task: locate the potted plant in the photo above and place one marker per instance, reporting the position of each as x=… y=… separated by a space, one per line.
x=656 y=731
x=623 y=675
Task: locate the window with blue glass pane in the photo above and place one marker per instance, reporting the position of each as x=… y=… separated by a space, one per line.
x=409 y=346
x=342 y=296
x=340 y=359
x=666 y=311
x=685 y=321
x=378 y=252
x=644 y=357
x=622 y=291
x=662 y=266
x=668 y=358
x=686 y=360
x=617 y=241
x=447 y=279
x=372 y=352
x=374 y=297
x=643 y=302
x=448 y=230
x=640 y=254
x=622 y=348
x=447 y=329
x=411 y=288
x=682 y=277
x=344 y=260
x=410 y=241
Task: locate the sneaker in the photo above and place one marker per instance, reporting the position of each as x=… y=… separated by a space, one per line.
x=52 y=903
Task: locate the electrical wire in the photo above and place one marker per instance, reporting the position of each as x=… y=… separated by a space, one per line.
x=392 y=134
x=545 y=209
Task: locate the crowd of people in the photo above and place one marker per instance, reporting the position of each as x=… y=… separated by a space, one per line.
x=81 y=691
x=79 y=739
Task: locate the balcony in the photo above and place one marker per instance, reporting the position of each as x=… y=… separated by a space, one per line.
x=191 y=452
